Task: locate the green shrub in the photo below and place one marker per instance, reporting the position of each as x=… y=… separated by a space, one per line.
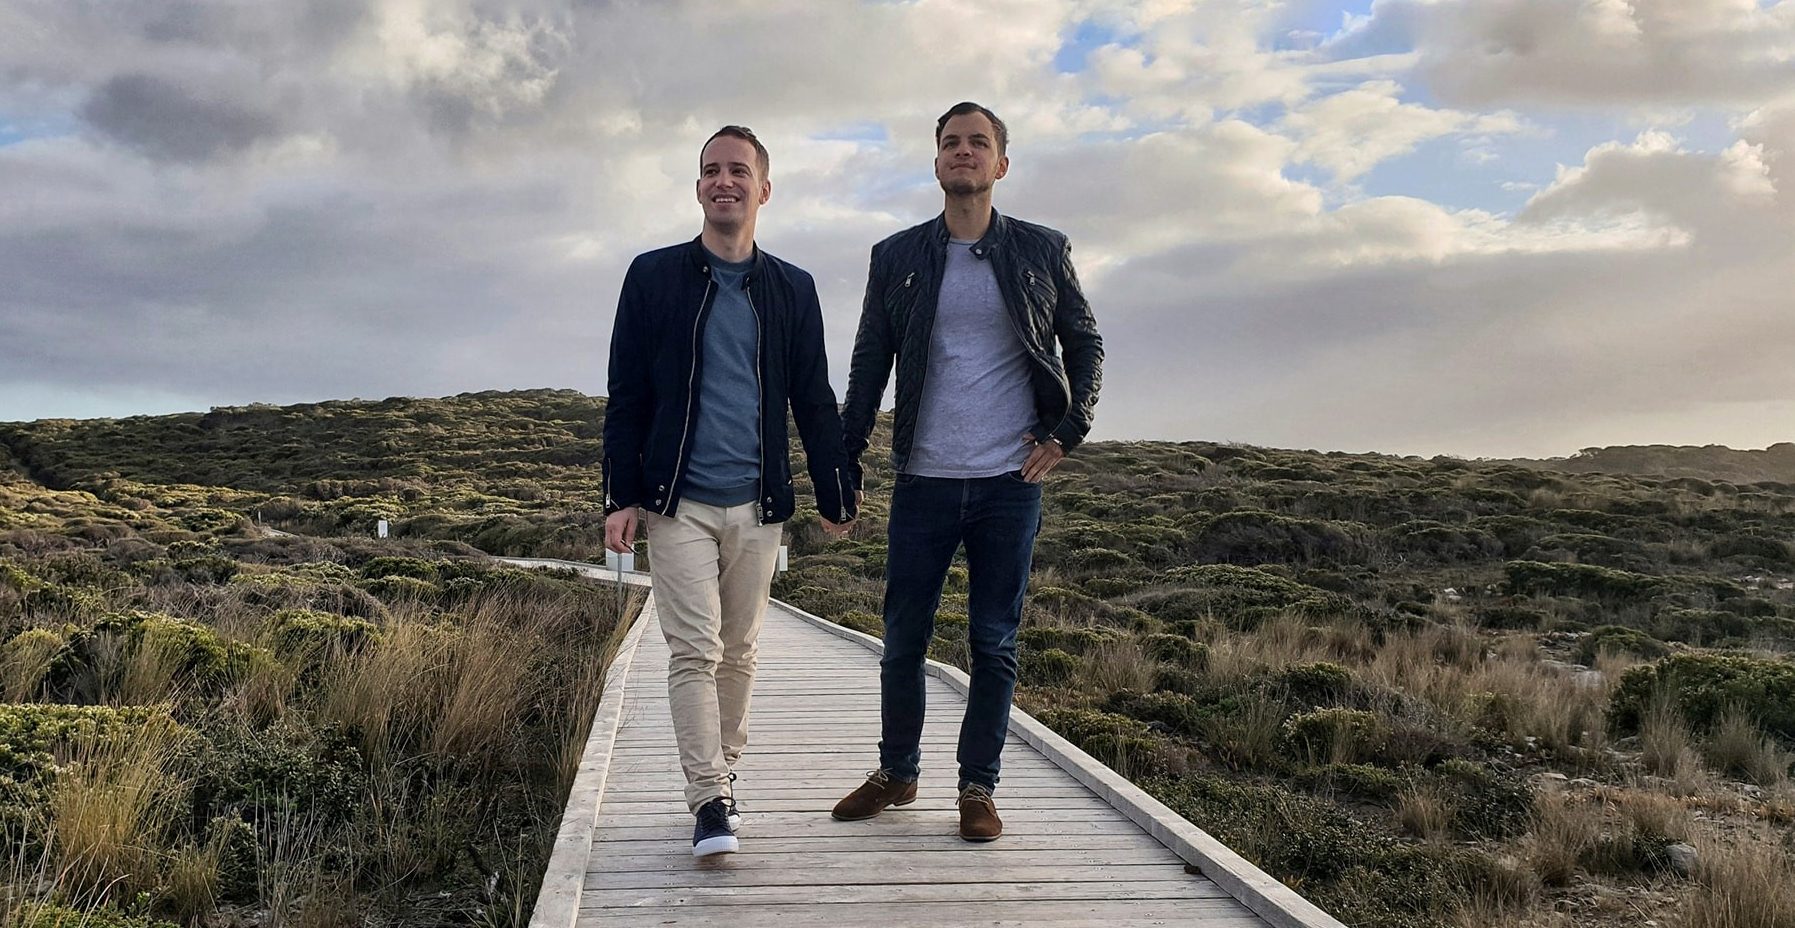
x=209 y=568
x=416 y=568
x=1319 y=683
x=1176 y=650
x=1538 y=578
x=1256 y=537
x=1051 y=667
x=1063 y=638
x=1485 y=802
x=864 y=622
x=1240 y=596
x=311 y=631
x=318 y=775
x=1749 y=545
x=1170 y=679
x=1109 y=587
x=47 y=915
x=1438 y=542
x=1503 y=617
x=1704 y=686
x=1616 y=639
x=1335 y=735
x=399 y=587
x=1360 y=781
x=1117 y=740
x=1178 y=712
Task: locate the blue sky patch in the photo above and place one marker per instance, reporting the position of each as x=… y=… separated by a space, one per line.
x=1086 y=37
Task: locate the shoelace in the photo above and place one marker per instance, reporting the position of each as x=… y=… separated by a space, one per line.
x=878 y=777
x=714 y=815
x=976 y=793
x=731 y=797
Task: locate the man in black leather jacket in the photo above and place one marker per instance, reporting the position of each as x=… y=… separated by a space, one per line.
x=714 y=341
x=998 y=367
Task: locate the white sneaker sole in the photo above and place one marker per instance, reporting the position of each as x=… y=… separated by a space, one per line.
x=722 y=844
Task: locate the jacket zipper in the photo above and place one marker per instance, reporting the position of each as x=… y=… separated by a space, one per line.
x=842 y=490
x=1065 y=387
x=685 y=432
x=760 y=407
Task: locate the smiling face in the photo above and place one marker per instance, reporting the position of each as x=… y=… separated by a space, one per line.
x=731 y=184
x=967 y=161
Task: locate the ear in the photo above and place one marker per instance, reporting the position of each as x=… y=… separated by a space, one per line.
x=1003 y=167
x=766 y=191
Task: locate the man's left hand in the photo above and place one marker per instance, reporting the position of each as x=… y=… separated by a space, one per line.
x=1043 y=459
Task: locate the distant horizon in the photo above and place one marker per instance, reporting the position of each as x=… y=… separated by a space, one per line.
x=1098 y=435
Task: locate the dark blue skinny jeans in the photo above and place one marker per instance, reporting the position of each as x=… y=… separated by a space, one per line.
x=996 y=518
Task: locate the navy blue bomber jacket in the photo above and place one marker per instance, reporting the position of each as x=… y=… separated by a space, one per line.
x=657 y=358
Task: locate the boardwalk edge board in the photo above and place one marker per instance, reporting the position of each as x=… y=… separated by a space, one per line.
x=1257 y=890
x=558 y=902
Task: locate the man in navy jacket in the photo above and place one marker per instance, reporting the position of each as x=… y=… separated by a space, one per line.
x=714 y=341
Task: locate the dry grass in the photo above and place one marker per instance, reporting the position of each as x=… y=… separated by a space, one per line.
x=1422 y=811
x=23 y=663
x=1738 y=747
x=111 y=806
x=1116 y=665
x=1667 y=748
x=1563 y=833
x=1747 y=881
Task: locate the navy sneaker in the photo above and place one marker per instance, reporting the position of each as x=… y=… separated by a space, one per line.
x=712 y=835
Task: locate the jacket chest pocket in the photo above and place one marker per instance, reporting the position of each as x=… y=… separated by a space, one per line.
x=1040 y=297
x=900 y=300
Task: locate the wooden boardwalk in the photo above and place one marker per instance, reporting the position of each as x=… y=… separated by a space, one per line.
x=1079 y=847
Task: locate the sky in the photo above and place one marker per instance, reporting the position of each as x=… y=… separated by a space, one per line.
x=1484 y=228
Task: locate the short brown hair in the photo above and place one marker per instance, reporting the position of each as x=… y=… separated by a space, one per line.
x=745 y=134
x=967 y=108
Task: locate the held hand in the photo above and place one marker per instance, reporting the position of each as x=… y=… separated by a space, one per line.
x=620 y=530
x=1044 y=458
x=844 y=529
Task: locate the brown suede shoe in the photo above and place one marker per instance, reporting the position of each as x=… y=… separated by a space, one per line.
x=880 y=791
x=978 y=814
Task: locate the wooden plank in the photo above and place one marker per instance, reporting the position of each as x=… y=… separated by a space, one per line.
x=880 y=862
x=1184 y=889
x=939 y=828
x=961 y=914
x=959 y=871
x=759 y=843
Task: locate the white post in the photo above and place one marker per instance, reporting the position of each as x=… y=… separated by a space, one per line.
x=380 y=529
x=783 y=560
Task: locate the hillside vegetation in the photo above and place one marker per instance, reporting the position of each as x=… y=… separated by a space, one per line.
x=1424 y=692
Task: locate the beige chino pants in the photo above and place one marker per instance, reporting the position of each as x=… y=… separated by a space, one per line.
x=713 y=571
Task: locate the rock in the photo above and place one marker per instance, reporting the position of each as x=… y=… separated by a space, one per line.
x=1158 y=726
x=1682 y=858
x=1550 y=780
x=1587 y=678
x=1582 y=783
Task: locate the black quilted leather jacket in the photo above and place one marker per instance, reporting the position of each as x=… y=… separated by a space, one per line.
x=1033 y=266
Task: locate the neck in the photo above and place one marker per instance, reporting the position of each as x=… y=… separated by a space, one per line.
x=734 y=245
x=968 y=216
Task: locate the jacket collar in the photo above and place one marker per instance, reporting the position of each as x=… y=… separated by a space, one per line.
x=995 y=235
x=700 y=259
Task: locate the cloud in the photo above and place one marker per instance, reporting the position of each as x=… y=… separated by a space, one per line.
x=284 y=202
x=1653 y=53
x=1350 y=132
